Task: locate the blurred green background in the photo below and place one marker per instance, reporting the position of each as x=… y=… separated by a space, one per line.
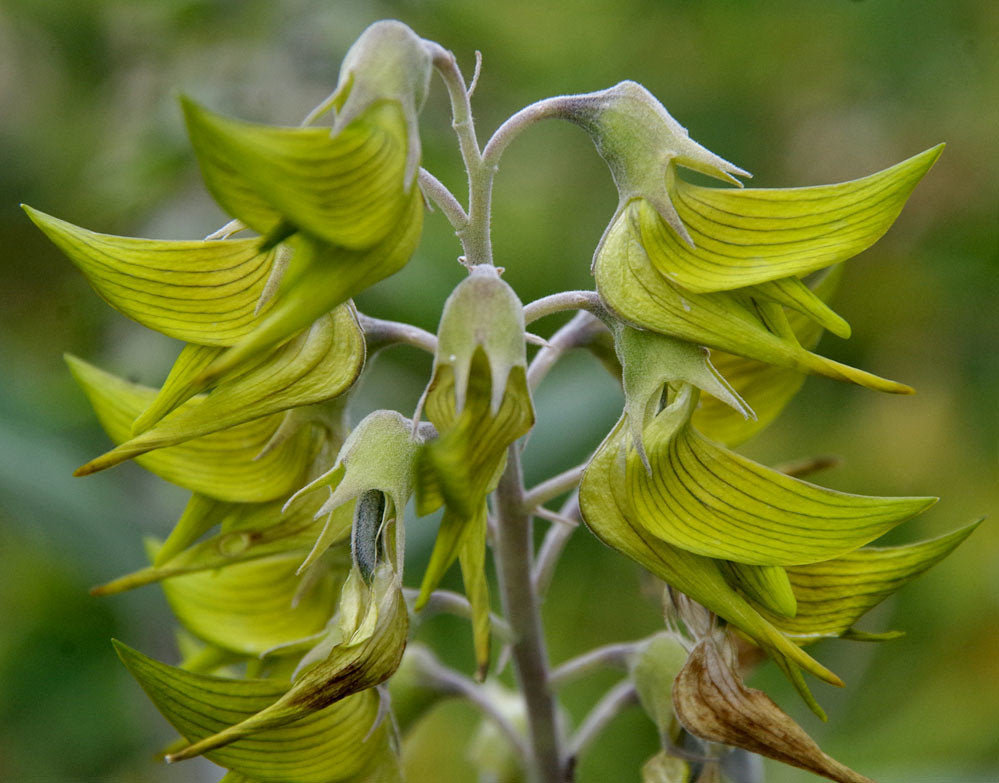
x=796 y=91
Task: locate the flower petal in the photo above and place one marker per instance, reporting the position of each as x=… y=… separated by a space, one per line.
x=712 y=703
x=326 y=746
x=604 y=511
x=638 y=294
x=250 y=607
x=742 y=237
x=222 y=465
x=202 y=292
x=354 y=664
x=317 y=365
x=765 y=387
x=346 y=189
x=701 y=497
x=833 y=595
x=769 y=586
x=249 y=531
x=320 y=277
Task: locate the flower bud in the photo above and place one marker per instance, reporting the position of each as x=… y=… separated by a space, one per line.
x=652 y=670
x=379 y=456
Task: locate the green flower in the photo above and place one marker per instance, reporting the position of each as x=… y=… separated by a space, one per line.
x=721 y=267
x=479 y=402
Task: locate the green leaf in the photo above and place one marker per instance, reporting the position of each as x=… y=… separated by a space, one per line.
x=202 y=292
x=345 y=188
x=765 y=387
x=329 y=745
x=223 y=465
x=319 y=277
x=637 y=293
x=606 y=511
x=745 y=237
x=317 y=365
x=363 y=651
x=703 y=498
x=252 y=607
x=833 y=595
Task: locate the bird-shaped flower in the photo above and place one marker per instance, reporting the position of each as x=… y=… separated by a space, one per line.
x=720 y=267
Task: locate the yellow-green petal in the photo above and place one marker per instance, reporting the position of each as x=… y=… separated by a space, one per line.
x=472 y=559
x=346 y=189
x=317 y=365
x=254 y=606
x=742 y=237
x=471 y=450
x=179 y=386
x=223 y=465
x=833 y=595
x=652 y=669
x=379 y=454
x=329 y=745
x=249 y=531
x=362 y=652
x=202 y=292
x=605 y=511
x=649 y=360
x=200 y=515
x=663 y=768
x=769 y=586
x=706 y=499
x=766 y=387
x=632 y=288
x=320 y=277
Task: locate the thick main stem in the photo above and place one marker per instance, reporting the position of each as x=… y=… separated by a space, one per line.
x=513 y=551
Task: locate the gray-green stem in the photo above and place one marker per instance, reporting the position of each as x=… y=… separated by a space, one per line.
x=513 y=550
x=520 y=604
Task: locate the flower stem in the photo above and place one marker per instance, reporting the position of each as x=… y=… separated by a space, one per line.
x=616 y=654
x=609 y=707
x=474 y=236
x=513 y=551
x=437 y=192
x=446 y=680
x=553 y=487
x=520 y=603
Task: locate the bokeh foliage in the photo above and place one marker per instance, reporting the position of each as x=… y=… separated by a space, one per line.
x=799 y=92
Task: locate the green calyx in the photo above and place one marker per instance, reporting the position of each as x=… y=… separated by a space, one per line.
x=379 y=456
